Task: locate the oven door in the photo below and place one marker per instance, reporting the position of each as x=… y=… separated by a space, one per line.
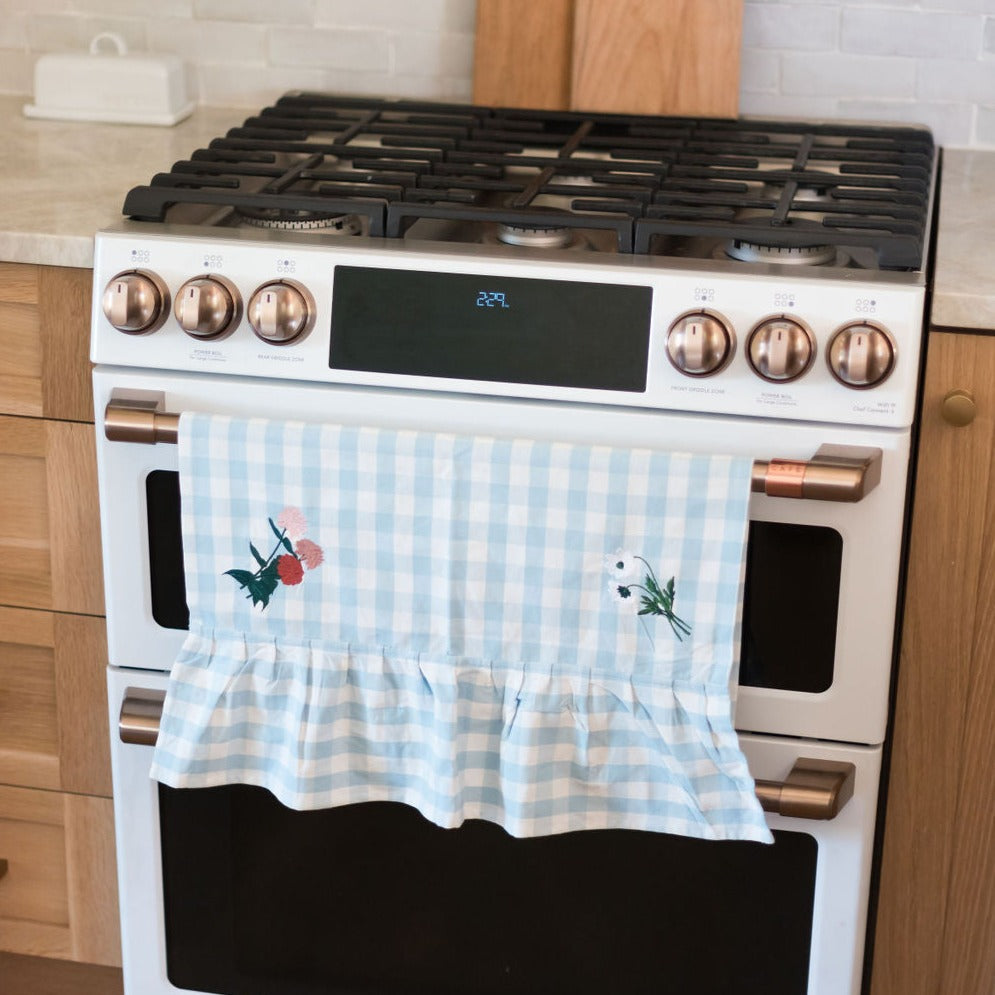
x=225 y=890
x=822 y=575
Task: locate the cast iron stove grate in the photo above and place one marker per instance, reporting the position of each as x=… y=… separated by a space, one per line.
x=646 y=180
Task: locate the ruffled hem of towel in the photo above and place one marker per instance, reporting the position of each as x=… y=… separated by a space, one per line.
x=532 y=751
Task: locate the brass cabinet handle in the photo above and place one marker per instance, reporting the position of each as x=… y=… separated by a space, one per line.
x=834 y=473
x=958 y=408
x=815 y=789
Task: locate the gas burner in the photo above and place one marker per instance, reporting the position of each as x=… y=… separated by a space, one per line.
x=284 y=220
x=537 y=236
x=789 y=255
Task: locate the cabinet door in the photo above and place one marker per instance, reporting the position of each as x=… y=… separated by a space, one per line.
x=44 y=339
x=53 y=702
x=49 y=516
x=936 y=916
x=58 y=895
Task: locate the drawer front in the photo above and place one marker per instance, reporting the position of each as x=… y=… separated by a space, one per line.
x=52 y=702
x=49 y=520
x=58 y=895
x=44 y=339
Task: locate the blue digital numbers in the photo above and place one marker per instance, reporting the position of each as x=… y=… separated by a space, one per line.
x=491 y=298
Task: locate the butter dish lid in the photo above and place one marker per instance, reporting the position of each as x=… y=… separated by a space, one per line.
x=110 y=86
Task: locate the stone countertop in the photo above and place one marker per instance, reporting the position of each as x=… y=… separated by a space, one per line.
x=64 y=180
x=964 y=278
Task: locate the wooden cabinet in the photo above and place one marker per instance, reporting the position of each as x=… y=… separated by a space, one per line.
x=936 y=914
x=58 y=892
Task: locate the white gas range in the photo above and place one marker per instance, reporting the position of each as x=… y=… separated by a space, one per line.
x=436 y=266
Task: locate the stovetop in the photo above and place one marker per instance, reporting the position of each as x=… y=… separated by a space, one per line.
x=776 y=192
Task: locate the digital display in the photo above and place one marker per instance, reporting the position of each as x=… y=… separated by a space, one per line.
x=558 y=333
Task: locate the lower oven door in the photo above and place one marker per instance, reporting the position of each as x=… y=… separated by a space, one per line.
x=822 y=575
x=225 y=890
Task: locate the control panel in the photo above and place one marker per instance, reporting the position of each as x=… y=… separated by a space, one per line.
x=809 y=345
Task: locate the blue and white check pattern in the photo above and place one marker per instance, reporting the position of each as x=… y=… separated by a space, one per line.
x=464 y=648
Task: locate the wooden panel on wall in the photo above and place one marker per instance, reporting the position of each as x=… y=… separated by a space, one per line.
x=49 y=533
x=522 y=53
x=937 y=899
x=657 y=56
x=628 y=56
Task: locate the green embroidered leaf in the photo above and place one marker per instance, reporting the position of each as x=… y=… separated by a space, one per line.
x=255 y=553
x=244 y=577
x=281 y=535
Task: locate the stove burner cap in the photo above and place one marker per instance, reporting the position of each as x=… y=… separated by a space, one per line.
x=535 y=236
x=280 y=219
x=793 y=255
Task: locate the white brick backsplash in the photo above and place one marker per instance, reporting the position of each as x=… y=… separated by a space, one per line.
x=954 y=81
x=790 y=26
x=911 y=32
x=820 y=74
x=255 y=11
x=950 y=123
x=759 y=71
x=357 y=49
x=210 y=41
x=986 y=126
x=444 y=15
x=13 y=33
x=779 y=106
x=423 y=53
x=16 y=72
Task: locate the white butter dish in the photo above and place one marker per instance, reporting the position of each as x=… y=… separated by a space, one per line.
x=115 y=86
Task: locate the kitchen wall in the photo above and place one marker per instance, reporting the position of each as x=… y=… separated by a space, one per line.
x=931 y=61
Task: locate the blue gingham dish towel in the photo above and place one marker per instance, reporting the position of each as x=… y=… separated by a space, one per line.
x=538 y=634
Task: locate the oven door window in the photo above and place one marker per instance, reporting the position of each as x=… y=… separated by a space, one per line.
x=373 y=898
x=168 y=585
x=790 y=606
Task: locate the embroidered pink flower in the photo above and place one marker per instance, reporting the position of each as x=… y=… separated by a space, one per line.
x=289 y=569
x=292 y=520
x=310 y=553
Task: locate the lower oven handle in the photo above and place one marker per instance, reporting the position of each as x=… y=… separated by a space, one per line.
x=834 y=473
x=815 y=789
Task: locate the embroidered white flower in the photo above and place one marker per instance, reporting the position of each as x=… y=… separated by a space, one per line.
x=622 y=566
x=623 y=597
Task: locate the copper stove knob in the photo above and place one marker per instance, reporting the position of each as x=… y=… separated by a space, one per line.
x=780 y=349
x=281 y=312
x=861 y=354
x=700 y=343
x=136 y=301
x=208 y=306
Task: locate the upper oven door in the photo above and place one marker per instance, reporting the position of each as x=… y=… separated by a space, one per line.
x=821 y=575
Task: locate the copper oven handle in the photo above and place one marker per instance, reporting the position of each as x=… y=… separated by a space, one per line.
x=834 y=473
x=815 y=789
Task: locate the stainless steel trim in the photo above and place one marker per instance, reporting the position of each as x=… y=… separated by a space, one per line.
x=834 y=473
x=141 y=711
